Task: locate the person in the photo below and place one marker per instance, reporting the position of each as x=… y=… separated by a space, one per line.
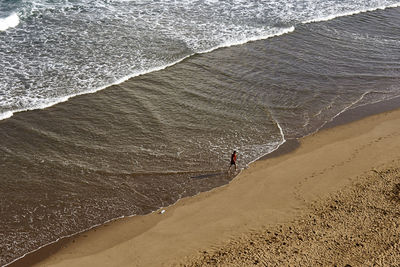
x=233 y=160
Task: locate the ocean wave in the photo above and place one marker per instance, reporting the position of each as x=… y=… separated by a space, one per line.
x=9 y=22
x=262 y=36
x=42 y=104
x=187 y=35
x=37 y=104
x=322 y=18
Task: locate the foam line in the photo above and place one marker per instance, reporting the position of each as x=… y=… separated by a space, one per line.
x=252 y=39
x=350 y=13
x=283 y=140
x=340 y=112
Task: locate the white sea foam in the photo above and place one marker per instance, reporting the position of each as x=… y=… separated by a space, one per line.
x=198 y=34
x=9 y=22
x=262 y=36
x=6 y=115
x=349 y=13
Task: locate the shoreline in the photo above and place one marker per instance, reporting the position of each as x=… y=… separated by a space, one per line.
x=115 y=232
x=349 y=116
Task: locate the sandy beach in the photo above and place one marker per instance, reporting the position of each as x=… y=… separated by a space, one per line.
x=332 y=201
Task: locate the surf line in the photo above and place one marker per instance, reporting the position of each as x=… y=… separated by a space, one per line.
x=51 y=102
x=349 y=13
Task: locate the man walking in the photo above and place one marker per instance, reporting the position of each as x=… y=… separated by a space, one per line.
x=233 y=161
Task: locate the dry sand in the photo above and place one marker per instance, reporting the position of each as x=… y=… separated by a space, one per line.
x=334 y=200
x=358 y=226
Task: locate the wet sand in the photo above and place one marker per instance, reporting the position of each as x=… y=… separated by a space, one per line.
x=332 y=200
